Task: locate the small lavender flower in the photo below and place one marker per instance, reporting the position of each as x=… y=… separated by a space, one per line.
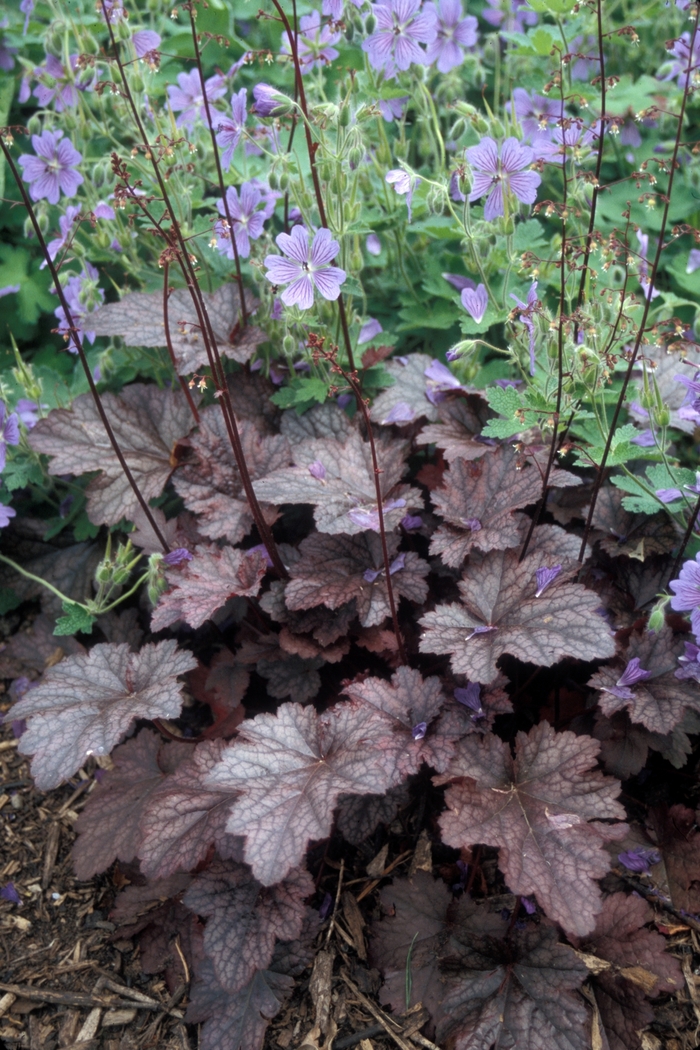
x=9 y=893
x=9 y=289
x=269 y=102
x=493 y=175
x=690 y=662
x=317 y=470
x=668 y=495
x=246 y=217
x=473 y=524
x=403 y=183
x=680 y=50
x=632 y=674
x=399 y=413
x=145 y=42
x=686 y=590
x=314 y=44
x=102 y=210
x=6 y=514
x=526 y=318
x=51 y=172
x=401 y=27
x=28 y=412
x=9 y=432
x=58 y=85
x=459 y=282
x=369 y=329
x=83 y=297
x=65 y=224
x=393 y=108
x=480 y=630
x=639 y=859
x=113 y=8
x=420 y=730
x=27 y=9
x=373 y=244
x=470 y=697
x=440 y=382
x=529 y=905
x=454 y=33
x=230 y=129
x=399 y=562
x=411 y=521
x=693 y=260
x=511 y=15
x=332 y=8
x=306 y=267
x=475 y=301
x=544 y=577
x=369 y=518
x=187 y=98
x=177 y=556
x=535 y=113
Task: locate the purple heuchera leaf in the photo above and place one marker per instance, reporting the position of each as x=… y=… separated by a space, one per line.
x=544 y=577
x=639 y=859
x=317 y=470
x=470 y=696
x=9 y=893
x=420 y=730
x=475 y=301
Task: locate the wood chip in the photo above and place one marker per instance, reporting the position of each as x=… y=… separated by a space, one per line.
x=639 y=976
x=592 y=963
x=92 y=1023
x=6 y=1002
x=114 y=1018
x=356 y=924
x=53 y=837
x=376 y=866
x=422 y=859
x=320 y=989
x=5 y=745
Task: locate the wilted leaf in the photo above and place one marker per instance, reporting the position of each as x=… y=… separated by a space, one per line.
x=659 y=700
x=543 y=808
x=477 y=500
x=620 y=937
x=357 y=816
x=147 y=423
x=201 y=586
x=182 y=818
x=138 y=319
x=109 y=826
x=517 y=991
x=501 y=614
x=338 y=480
x=334 y=570
x=405 y=401
x=410 y=938
x=244 y=919
x=88 y=703
x=461 y=421
x=211 y=484
x=290 y=769
x=405 y=703
x=679 y=842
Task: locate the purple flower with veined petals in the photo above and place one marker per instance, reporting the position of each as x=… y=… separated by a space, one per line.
x=440 y=382
x=668 y=495
x=401 y=27
x=102 y=210
x=459 y=282
x=369 y=329
x=51 y=172
x=317 y=470
x=480 y=630
x=535 y=113
x=475 y=301
x=28 y=412
x=403 y=183
x=686 y=590
x=690 y=662
x=65 y=224
x=693 y=263
x=632 y=674
x=493 y=174
x=454 y=32
x=269 y=102
x=145 y=42
x=247 y=219
x=6 y=513
x=639 y=859
x=373 y=244
x=9 y=893
x=544 y=576
x=333 y=9
x=511 y=15
x=393 y=108
x=526 y=318
x=369 y=518
x=470 y=696
x=61 y=88
x=419 y=730
x=411 y=521
x=114 y=9
x=177 y=556
x=83 y=297
x=455 y=191
x=306 y=267
x=9 y=432
x=230 y=129
x=314 y=43
x=187 y=97
x=268 y=198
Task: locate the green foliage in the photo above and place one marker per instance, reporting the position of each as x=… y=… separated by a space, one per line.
x=75 y=619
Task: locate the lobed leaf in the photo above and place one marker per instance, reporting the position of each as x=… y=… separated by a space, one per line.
x=406 y=400
x=201 y=586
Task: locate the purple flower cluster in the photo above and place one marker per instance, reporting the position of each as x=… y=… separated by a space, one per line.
x=187 y=97
x=247 y=217
x=52 y=171
x=83 y=297
x=315 y=43
x=230 y=129
x=9 y=432
x=306 y=267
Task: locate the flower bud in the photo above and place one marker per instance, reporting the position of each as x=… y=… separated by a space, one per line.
x=273 y=179
x=34 y=125
x=136 y=81
x=289 y=345
x=284 y=181
x=400 y=149
x=156 y=583
x=356 y=260
x=344 y=116
x=661 y=416
x=370 y=24
x=54 y=38
x=355 y=155
x=349 y=32
x=458 y=128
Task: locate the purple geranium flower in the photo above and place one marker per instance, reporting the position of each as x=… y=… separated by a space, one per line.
x=145 y=42
x=6 y=513
x=403 y=183
x=639 y=859
x=686 y=590
x=9 y=289
x=668 y=495
x=306 y=267
x=368 y=518
x=632 y=674
x=83 y=297
x=269 y=102
x=230 y=129
x=332 y=8
x=28 y=412
x=482 y=629
x=9 y=893
x=393 y=108
x=27 y=9
x=58 y=85
x=187 y=98
x=113 y=8
x=411 y=521
x=51 y=172
x=373 y=244
x=102 y=210
x=399 y=562
x=9 y=432
x=440 y=381
x=177 y=556
x=459 y=282
x=247 y=219
x=511 y=15
x=65 y=224
x=535 y=113
x=492 y=174
x=526 y=318
x=475 y=301
x=314 y=43
x=544 y=577
x=401 y=27
x=690 y=662
x=680 y=50
x=369 y=329
x=454 y=32
x=693 y=260
x=419 y=730
x=470 y=696
x=317 y=470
